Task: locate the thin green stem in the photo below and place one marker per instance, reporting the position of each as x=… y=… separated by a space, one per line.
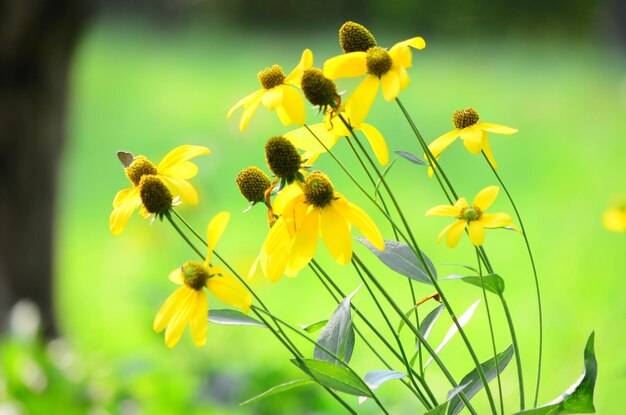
x=493 y=337
x=535 y=276
x=182 y=234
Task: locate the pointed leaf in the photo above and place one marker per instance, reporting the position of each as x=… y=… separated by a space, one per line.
x=278 y=389
x=463 y=320
x=410 y=157
x=493 y=282
x=229 y=317
x=429 y=321
x=333 y=376
x=375 y=378
x=400 y=257
x=578 y=398
x=313 y=327
x=472 y=383
x=338 y=334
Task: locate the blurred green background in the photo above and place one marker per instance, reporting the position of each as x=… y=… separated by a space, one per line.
x=146 y=87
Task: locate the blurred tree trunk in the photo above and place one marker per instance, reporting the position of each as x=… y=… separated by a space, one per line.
x=37 y=38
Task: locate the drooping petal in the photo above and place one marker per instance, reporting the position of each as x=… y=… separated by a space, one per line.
x=443 y=210
x=485 y=197
x=170 y=163
x=495 y=220
x=348 y=65
x=404 y=76
x=377 y=142
x=443 y=232
x=181 y=188
x=476 y=232
x=454 y=233
x=306 y=140
x=488 y=153
x=293 y=105
x=496 y=128
x=165 y=313
x=176 y=276
x=229 y=290
x=472 y=137
x=401 y=51
x=245 y=101
x=283 y=116
x=359 y=104
x=122 y=196
x=126 y=206
x=214 y=232
x=305 y=241
x=249 y=111
x=442 y=142
x=276 y=265
x=273 y=97
x=335 y=232
x=290 y=195
x=180 y=316
x=198 y=320
x=306 y=62
x=390 y=85
x=360 y=220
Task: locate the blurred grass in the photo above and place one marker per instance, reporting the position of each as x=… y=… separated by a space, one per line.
x=146 y=91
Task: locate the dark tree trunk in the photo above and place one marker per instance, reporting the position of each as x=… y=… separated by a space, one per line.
x=37 y=38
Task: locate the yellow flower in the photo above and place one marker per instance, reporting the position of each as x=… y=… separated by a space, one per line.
x=329 y=133
x=277 y=93
x=308 y=211
x=173 y=171
x=474 y=217
x=386 y=68
x=614 y=218
x=189 y=304
x=473 y=132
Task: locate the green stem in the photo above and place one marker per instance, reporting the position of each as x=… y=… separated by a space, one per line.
x=535 y=276
x=182 y=234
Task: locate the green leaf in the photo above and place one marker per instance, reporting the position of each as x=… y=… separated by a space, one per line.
x=338 y=334
x=410 y=157
x=463 y=320
x=578 y=398
x=333 y=376
x=474 y=270
x=472 y=383
x=429 y=321
x=278 y=389
x=493 y=282
x=313 y=327
x=229 y=317
x=439 y=410
x=400 y=257
x=375 y=378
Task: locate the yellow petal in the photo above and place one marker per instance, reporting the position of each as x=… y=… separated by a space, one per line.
x=123 y=195
x=390 y=85
x=180 y=316
x=401 y=51
x=443 y=232
x=293 y=105
x=181 y=188
x=496 y=128
x=336 y=234
x=472 y=138
x=306 y=62
x=183 y=170
x=454 y=233
x=176 y=276
x=214 y=232
x=476 y=232
x=230 y=291
x=348 y=65
x=165 y=313
x=305 y=241
x=614 y=219
x=289 y=195
x=249 y=111
x=442 y=142
x=315 y=141
x=488 y=153
x=359 y=104
x=485 y=197
x=443 y=210
x=377 y=142
x=272 y=97
x=495 y=220
x=460 y=203
x=245 y=101
x=198 y=320
x=360 y=220
x=404 y=76
x=179 y=155
x=126 y=207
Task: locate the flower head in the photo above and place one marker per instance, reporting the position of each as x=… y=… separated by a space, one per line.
x=354 y=37
x=614 y=218
x=253 y=183
x=308 y=211
x=472 y=131
x=382 y=67
x=189 y=304
x=471 y=216
x=277 y=93
x=155 y=185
